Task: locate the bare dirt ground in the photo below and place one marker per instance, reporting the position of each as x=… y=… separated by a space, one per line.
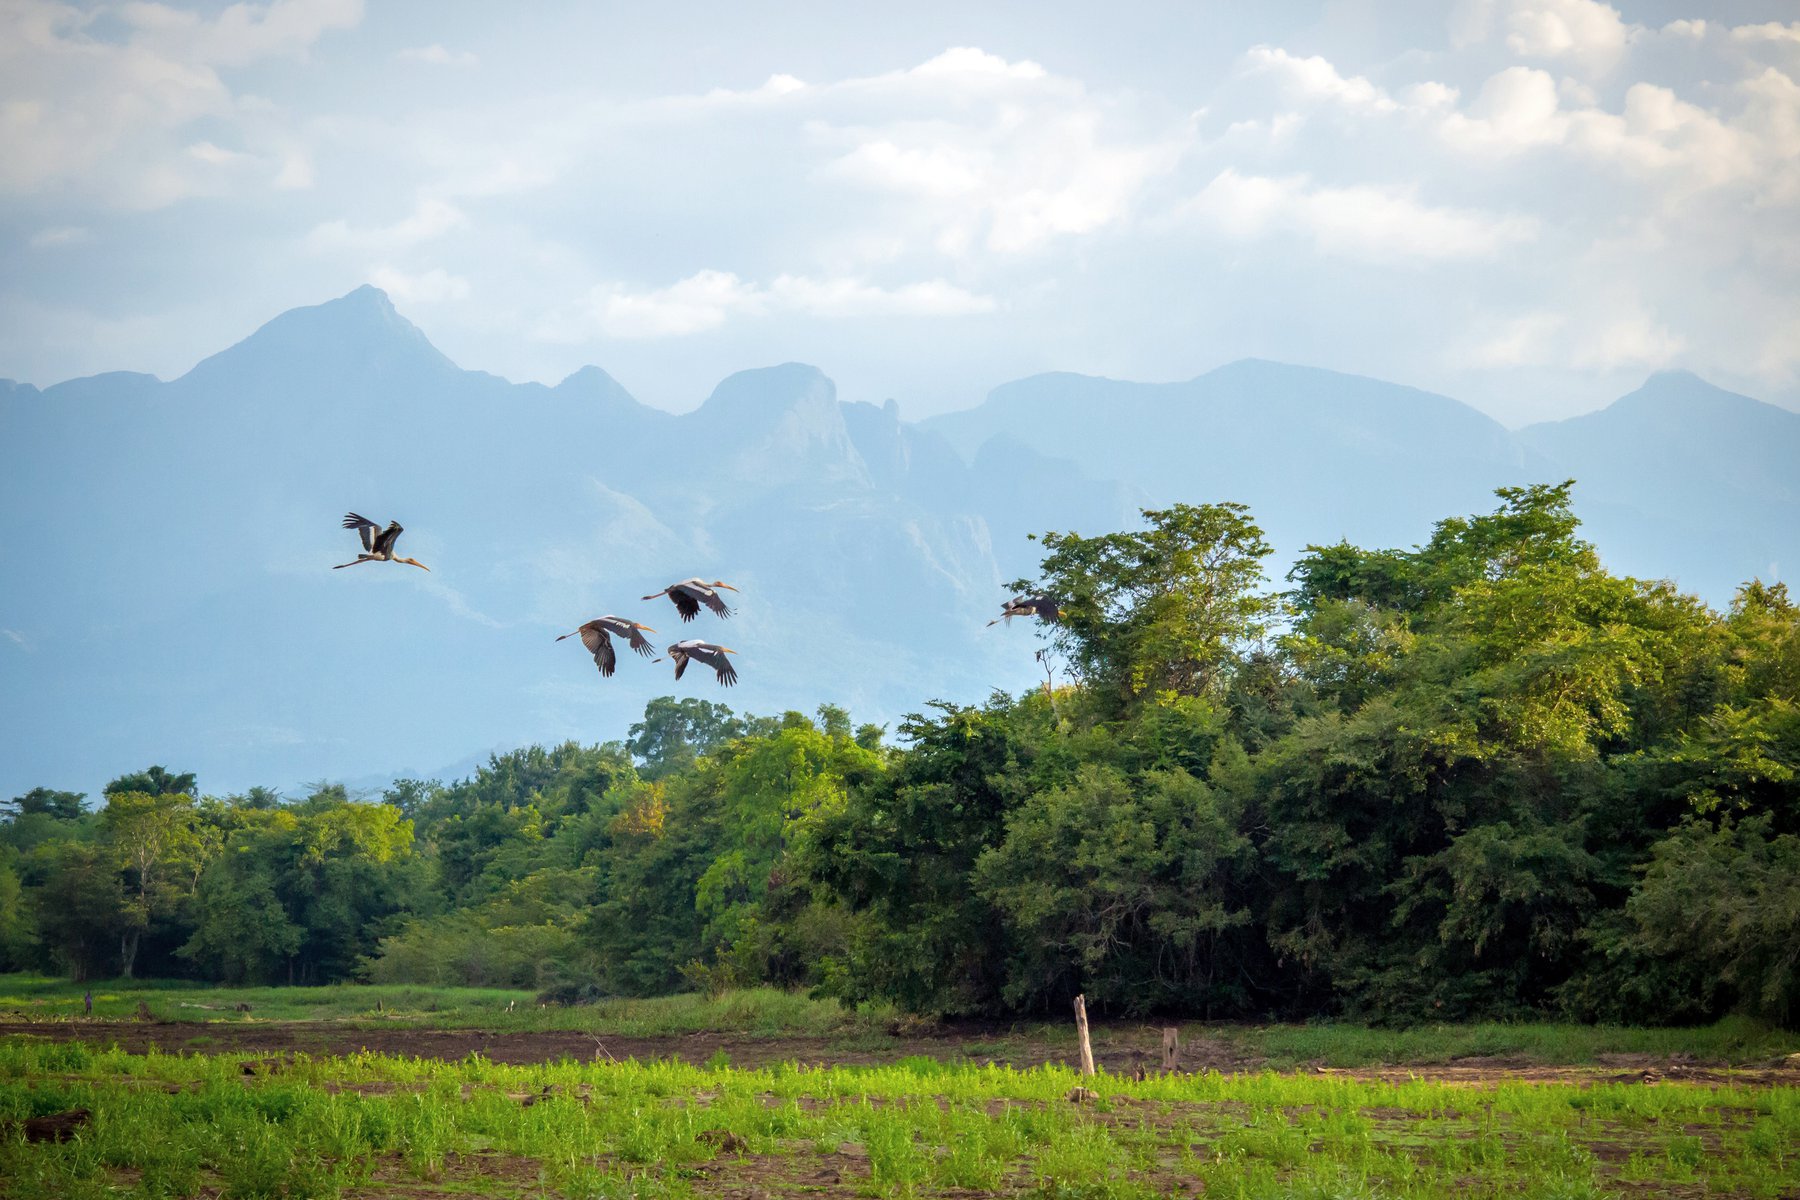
x=1119 y=1049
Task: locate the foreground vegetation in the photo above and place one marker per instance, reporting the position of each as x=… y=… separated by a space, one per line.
x=871 y=1030
x=184 y=1126
x=1483 y=778
x=763 y=1011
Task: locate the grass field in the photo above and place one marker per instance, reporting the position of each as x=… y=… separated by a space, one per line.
x=769 y=1012
x=750 y=1010
x=367 y=1126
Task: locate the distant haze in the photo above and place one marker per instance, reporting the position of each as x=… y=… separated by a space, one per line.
x=169 y=596
x=1530 y=205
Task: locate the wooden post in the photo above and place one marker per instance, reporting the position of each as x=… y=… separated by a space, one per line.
x=1087 y=1049
x=1171 y=1047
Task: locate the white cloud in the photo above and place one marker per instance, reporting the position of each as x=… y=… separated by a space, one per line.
x=1516 y=109
x=430 y=219
x=1630 y=340
x=1524 y=341
x=707 y=299
x=427 y=287
x=60 y=235
x=1365 y=222
x=1591 y=33
x=438 y=56
x=1771 y=31
x=105 y=118
x=242 y=33
x=1314 y=78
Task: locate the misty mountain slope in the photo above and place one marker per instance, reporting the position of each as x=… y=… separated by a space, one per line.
x=1317 y=455
x=1686 y=480
x=183 y=608
x=177 y=602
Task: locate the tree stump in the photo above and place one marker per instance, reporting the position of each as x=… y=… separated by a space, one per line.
x=1171 y=1047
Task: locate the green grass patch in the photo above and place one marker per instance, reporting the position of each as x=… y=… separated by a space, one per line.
x=765 y=1011
x=1732 y=1041
x=191 y=1125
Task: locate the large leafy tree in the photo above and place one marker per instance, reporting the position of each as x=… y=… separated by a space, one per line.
x=160 y=849
x=1165 y=608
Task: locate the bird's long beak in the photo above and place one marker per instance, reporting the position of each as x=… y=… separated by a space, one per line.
x=415 y=562
x=726 y=650
x=646 y=629
x=723 y=584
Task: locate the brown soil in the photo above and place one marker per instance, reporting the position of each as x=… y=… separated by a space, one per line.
x=1120 y=1050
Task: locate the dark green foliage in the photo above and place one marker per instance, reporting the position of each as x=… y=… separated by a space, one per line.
x=153 y=781
x=58 y=806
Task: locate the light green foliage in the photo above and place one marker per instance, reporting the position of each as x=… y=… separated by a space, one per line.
x=1164 y=609
x=302 y=893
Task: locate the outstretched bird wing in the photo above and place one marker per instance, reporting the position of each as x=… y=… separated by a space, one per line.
x=715 y=657
x=384 y=541
x=715 y=602
x=681 y=662
x=363 y=526
x=639 y=642
x=604 y=655
x=685 y=604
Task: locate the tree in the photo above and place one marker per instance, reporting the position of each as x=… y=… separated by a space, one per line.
x=675 y=732
x=1125 y=890
x=80 y=908
x=155 y=841
x=1163 y=609
x=47 y=802
x=1728 y=898
x=897 y=857
x=18 y=929
x=153 y=781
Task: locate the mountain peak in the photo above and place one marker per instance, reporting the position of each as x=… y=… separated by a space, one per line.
x=770 y=390
x=360 y=335
x=1684 y=397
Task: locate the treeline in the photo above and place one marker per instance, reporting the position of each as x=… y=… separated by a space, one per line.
x=1481 y=777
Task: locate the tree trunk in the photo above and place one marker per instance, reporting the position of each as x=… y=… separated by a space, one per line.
x=128 y=948
x=1081 y=1029
x=1171 y=1047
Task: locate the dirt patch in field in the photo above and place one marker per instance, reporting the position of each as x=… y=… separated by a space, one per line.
x=1121 y=1050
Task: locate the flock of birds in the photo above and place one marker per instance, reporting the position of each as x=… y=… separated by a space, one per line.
x=689 y=597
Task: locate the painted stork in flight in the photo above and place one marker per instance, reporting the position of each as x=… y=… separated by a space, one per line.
x=594 y=635
x=703 y=652
x=378 y=543
x=690 y=594
x=1028 y=606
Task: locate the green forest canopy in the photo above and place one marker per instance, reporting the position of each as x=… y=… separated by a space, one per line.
x=1480 y=777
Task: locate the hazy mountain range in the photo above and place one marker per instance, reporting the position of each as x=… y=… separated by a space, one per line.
x=168 y=595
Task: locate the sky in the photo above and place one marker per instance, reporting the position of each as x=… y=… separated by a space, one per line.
x=1529 y=205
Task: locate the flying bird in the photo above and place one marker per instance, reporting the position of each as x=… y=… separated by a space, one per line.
x=1042 y=607
x=690 y=594
x=595 y=636
x=378 y=543
x=703 y=652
